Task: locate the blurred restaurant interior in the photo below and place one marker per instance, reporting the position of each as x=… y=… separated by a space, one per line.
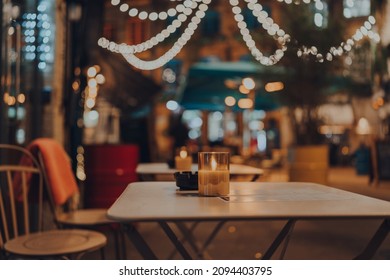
x=299 y=89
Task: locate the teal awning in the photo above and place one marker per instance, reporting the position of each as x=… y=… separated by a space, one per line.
x=206 y=89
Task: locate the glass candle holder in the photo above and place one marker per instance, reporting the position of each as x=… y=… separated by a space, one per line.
x=183 y=160
x=213 y=173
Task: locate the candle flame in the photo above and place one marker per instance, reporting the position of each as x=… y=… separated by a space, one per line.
x=213 y=164
x=183 y=154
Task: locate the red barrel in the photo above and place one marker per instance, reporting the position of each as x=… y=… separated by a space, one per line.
x=109 y=169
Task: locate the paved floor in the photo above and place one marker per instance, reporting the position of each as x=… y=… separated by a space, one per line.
x=311 y=240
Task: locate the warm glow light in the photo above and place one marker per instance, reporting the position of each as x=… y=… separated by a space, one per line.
x=21 y=98
x=90 y=103
x=80 y=158
x=11 y=100
x=345 y=150
x=249 y=83
x=331 y=129
x=100 y=79
x=183 y=154
x=80 y=149
x=11 y=31
x=77 y=71
x=258 y=255
x=92 y=83
x=230 y=101
x=92 y=92
x=256 y=125
x=243 y=89
x=232 y=229
x=81 y=175
x=213 y=164
x=363 y=127
x=6 y=97
x=75 y=86
x=275 y=86
x=124 y=7
x=91 y=72
x=230 y=84
x=172 y=105
x=245 y=103
x=91 y=118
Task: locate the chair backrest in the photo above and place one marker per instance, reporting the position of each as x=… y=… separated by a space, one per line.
x=61 y=184
x=17 y=207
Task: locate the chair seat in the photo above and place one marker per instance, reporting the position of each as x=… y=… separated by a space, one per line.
x=85 y=217
x=56 y=243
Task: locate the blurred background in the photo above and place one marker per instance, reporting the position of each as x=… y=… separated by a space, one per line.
x=327 y=82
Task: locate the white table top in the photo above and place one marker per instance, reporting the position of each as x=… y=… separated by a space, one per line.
x=162 y=168
x=153 y=201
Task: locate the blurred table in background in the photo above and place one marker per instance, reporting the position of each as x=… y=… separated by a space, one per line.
x=160 y=171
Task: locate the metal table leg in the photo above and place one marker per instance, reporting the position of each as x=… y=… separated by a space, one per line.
x=189 y=237
x=139 y=242
x=212 y=235
x=255 y=177
x=178 y=245
x=375 y=242
x=183 y=229
x=282 y=236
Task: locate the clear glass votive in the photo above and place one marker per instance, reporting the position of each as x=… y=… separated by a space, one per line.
x=183 y=159
x=213 y=173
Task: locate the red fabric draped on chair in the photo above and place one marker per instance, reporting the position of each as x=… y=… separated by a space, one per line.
x=58 y=169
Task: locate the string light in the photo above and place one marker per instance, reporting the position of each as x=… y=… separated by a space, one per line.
x=129 y=51
x=268 y=24
x=155 y=40
x=143 y=15
x=194 y=11
x=344 y=47
x=297 y=2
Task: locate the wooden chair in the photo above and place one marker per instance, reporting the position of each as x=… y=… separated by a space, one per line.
x=64 y=194
x=21 y=216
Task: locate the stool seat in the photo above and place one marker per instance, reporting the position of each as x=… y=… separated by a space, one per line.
x=85 y=217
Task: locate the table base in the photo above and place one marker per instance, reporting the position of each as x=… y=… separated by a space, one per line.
x=283 y=237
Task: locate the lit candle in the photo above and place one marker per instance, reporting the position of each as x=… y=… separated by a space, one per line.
x=213 y=174
x=183 y=162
